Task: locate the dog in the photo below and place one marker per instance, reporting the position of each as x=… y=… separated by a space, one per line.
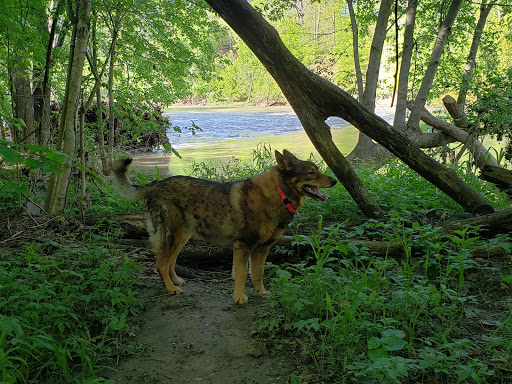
x=249 y=215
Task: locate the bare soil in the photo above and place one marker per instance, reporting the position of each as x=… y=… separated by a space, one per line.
x=200 y=336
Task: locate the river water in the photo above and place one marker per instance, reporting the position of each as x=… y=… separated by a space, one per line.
x=211 y=134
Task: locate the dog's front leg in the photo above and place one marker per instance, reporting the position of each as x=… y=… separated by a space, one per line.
x=258 y=257
x=240 y=266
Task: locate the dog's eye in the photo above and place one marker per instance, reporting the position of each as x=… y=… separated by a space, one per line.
x=311 y=172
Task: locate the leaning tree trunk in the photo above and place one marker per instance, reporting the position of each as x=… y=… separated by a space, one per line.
x=314 y=99
x=56 y=198
x=111 y=119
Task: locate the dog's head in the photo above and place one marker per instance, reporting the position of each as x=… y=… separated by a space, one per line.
x=303 y=176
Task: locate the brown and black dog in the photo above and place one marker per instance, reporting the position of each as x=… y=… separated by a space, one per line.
x=248 y=215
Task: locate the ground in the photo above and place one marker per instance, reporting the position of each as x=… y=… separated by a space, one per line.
x=200 y=336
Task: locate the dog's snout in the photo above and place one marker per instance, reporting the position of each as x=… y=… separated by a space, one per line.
x=333 y=181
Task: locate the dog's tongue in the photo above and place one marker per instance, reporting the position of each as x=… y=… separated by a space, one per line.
x=315 y=191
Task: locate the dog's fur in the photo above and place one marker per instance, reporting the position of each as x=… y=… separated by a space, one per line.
x=249 y=215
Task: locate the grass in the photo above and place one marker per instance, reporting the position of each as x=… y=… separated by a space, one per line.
x=64 y=309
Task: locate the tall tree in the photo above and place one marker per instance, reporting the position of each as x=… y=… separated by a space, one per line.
x=80 y=17
x=428 y=78
x=485 y=8
x=355 y=49
x=405 y=65
x=365 y=147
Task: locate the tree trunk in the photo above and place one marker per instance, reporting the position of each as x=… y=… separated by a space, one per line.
x=111 y=119
x=43 y=92
x=501 y=177
x=366 y=148
x=96 y=92
x=355 y=48
x=470 y=62
x=56 y=200
x=314 y=99
x=428 y=79
x=23 y=102
x=405 y=65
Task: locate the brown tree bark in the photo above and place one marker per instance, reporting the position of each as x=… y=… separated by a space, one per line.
x=58 y=186
x=314 y=99
x=428 y=78
x=470 y=62
x=355 y=48
x=366 y=148
x=405 y=65
x=501 y=177
x=23 y=104
x=480 y=153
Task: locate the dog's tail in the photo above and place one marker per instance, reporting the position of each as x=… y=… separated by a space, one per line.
x=122 y=184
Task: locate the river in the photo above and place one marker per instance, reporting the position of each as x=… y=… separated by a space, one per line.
x=220 y=133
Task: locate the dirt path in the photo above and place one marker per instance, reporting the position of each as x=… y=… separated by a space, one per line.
x=200 y=336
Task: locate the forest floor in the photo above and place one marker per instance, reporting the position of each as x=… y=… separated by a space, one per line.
x=200 y=336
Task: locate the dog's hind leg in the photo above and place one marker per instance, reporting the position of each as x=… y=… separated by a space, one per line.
x=240 y=266
x=258 y=257
x=166 y=255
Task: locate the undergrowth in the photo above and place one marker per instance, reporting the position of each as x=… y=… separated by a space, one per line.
x=435 y=314
x=64 y=308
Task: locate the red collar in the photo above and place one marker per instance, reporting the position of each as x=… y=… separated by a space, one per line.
x=286 y=202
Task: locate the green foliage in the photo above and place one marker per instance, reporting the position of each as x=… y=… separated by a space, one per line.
x=491 y=112
x=32 y=156
x=235 y=169
x=373 y=318
x=176 y=40
x=64 y=309
x=384 y=320
x=29 y=157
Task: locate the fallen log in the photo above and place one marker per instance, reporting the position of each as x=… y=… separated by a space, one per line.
x=501 y=177
x=200 y=253
x=487 y=224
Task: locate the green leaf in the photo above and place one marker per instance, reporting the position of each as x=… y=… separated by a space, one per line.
x=10 y=155
x=377 y=353
x=283 y=275
x=374 y=342
x=11 y=325
x=393 y=340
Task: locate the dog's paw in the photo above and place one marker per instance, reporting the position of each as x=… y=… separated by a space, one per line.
x=264 y=292
x=174 y=291
x=241 y=299
x=178 y=281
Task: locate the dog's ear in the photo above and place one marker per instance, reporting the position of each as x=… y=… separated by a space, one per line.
x=289 y=155
x=283 y=162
